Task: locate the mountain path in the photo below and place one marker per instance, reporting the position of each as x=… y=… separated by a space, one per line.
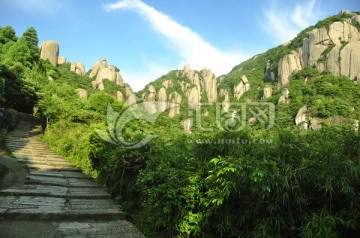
x=54 y=199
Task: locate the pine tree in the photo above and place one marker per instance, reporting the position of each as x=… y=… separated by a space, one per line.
x=31 y=39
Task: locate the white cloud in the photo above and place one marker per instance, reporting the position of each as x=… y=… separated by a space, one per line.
x=284 y=24
x=188 y=45
x=36 y=6
x=303 y=14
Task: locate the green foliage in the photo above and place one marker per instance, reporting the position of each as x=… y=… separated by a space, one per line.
x=31 y=39
x=7 y=34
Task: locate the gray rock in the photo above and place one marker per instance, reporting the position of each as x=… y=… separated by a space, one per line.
x=104 y=71
x=175 y=99
x=130 y=96
x=168 y=84
x=344 y=11
x=209 y=84
x=287 y=65
x=242 y=87
x=162 y=100
x=49 y=50
x=350 y=60
x=83 y=93
x=267 y=92
x=149 y=100
x=78 y=68
x=300 y=119
x=356 y=19
x=316 y=123
x=226 y=102
x=193 y=97
x=61 y=60
x=187 y=125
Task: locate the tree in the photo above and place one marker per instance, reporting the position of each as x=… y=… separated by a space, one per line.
x=7 y=34
x=31 y=39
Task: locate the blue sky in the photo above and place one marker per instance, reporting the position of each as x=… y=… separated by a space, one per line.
x=146 y=39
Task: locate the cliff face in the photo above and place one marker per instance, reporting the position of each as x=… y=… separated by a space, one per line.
x=335 y=48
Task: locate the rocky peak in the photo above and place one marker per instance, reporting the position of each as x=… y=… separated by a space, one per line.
x=209 y=84
x=101 y=70
x=49 y=50
x=78 y=68
x=242 y=87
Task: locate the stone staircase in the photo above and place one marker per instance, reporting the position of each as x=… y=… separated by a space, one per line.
x=57 y=192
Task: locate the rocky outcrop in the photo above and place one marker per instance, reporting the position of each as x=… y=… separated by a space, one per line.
x=300 y=119
x=61 y=60
x=193 y=97
x=186 y=126
x=316 y=123
x=101 y=70
x=313 y=46
x=49 y=50
x=83 y=93
x=287 y=65
x=175 y=100
x=336 y=49
x=242 y=87
x=119 y=96
x=269 y=74
x=78 y=68
x=162 y=100
x=350 y=60
x=284 y=98
x=209 y=84
x=130 y=96
x=267 y=92
x=167 y=84
x=224 y=93
x=149 y=100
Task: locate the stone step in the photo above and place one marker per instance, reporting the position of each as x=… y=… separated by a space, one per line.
x=57 y=192
x=50 y=208
x=58 y=181
x=108 y=229
x=59 y=174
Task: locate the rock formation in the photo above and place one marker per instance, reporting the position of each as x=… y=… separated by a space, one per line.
x=130 y=96
x=287 y=66
x=49 y=50
x=341 y=39
x=101 y=70
x=187 y=125
x=224 y=93
x=167 y=84
x=119 y=96
x=209 y=84
x=175 y=101
x=78 y=68
x=267 y=92
x=193 y=97
x=284 y=98
x=242 y=87
x=300 y=119
x=83 y=93
x=149 y=100
x=162 y=100
x=61 y=60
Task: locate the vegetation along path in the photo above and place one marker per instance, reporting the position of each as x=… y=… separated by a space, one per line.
x=55 y=199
